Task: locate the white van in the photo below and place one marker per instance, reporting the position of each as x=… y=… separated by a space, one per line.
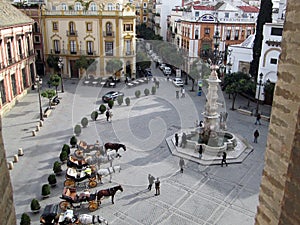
x=167 y=70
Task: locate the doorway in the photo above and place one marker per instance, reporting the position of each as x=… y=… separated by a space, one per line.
x=74 y=70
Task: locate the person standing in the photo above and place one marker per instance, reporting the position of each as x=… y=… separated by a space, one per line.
x=176 y=140
x=200 y=151
x=151 y=181
x=110 y=115
x=224 y=156
x=183 y=140
x=182 y=92
x=157 y=187
x=256 y=135
x=107 y=115
x=181 y=164
x=258 y=117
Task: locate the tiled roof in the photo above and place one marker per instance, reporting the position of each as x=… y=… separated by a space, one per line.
x=9 y=15
x=249 y=9
x=203 y=7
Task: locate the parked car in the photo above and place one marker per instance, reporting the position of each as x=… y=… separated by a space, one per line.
x=162 y=66
x=50 y=214
x=112 y=95
x=167 y=70
x=178 y=82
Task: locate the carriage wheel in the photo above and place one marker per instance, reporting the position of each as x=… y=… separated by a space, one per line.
x=69 y=183
x=93 y=206
x=64 y=205
x=92 y=183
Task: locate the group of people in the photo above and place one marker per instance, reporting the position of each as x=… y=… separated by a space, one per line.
x=151 y=180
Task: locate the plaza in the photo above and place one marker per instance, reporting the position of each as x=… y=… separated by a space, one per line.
x=200 y=195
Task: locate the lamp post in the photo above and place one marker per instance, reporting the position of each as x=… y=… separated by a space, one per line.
x=39 y=82
x=60 y=66
x=259 y=87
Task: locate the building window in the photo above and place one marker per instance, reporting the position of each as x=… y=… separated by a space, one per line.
x=55 y=26
x=206 y=30
x=273 y=61
x=276 y=31
x=145 y=5
x=228 y=34
x=24 y=78
x=90 y=47
x=93 y=6
x=108 y=28
x=109 y=48
x=196 y=34
x=128 y=27
x=128 y=47
x=248 y=33
x=109 y=6
x=197 y=14
x=2 y=91
x=73 y=47
x=37 y=39
x=28 y=45
x=13 y=85
x=56 y=45
x=144 y=19
x=64 y=6
x=20 y=48
x=9 y=55
x=78 y=6
x=227 y=15
x=236 y=35
x=72 y=28
x=38 y=54
x=89 y=26
x=36 y=28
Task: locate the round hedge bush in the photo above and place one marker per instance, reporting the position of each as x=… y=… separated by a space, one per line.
x=110 y=103
x=66 y=148
x=77 y=129
x=120 y=100
x=153 y=90
x=146 y=92
x=127 y=101
x=137 y=93
x=84 y=122
x=94 y=115
x=102 y=108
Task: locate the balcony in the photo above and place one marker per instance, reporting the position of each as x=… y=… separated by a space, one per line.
x=128 y=53
x=72 y=33
x=55 y=51
x=108 y=34
x=11 y=61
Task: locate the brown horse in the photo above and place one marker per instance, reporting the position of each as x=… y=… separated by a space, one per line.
x=108 y=192
x=114 y=146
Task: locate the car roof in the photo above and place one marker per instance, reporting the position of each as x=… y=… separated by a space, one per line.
x=52 y=208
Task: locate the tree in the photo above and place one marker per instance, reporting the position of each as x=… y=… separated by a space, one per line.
x=84 y=63
x=113 y=66
x=264 y=16
x=25 y=219
x=55 y=81
x=236 y=83
x=52 y=62
x=142 y=60
x=49 y=93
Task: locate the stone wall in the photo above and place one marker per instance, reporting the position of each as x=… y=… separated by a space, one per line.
x=7 y=210
x=280 y=187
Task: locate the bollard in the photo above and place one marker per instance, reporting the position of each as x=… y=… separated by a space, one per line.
x=33 y=133
x=10 y=165
x=16 y=158
x=41 y=123
x=20 y=152
x=37 y=128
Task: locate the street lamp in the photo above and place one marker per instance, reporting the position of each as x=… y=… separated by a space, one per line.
x=259 y=87
x=39 y=82
x=60 y=66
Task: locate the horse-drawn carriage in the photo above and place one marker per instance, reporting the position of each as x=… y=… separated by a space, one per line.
x=76 y=162
x=75 y=176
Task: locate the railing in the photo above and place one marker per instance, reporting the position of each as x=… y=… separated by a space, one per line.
x=54 y=51
x=108 y=34
x=84 y=12
x=72 y=33
x=91 y=53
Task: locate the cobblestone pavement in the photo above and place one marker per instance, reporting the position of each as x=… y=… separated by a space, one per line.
x=200 y=195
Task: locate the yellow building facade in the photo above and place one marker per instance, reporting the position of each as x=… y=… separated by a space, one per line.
x=100 y=30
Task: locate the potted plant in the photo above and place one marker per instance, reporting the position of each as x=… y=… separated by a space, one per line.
x=120 y=100
x=35 y=205
x=57 y=168
x=52 y=180
x=77 y=130
x=66 y=148
x=46 y=190
x=127 y=101
x=153 y=90
x=110 y=103
x=25 y=219
x=84 y=122
x=146 y=92
x=137 y=93
x=94 y=115
x=102 y=108
x=73 y=141
x=63 y=156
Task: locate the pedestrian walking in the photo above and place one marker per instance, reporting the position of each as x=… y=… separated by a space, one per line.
x=176 y=139
x=110 y=115
x=157 y=187
x=177 y=94
x=181 y=164
x=151 y=180
x=182 y=92
x=258 y=117
x=126 y=80
x=200 y=151
x=183 y=140
x=107 y=115
x=224 y=156
x=256 y=135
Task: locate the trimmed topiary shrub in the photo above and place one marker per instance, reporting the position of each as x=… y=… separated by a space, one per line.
x=57 y=167
x=153 y=90
x=73 y=141
x=120 y=100
x=46 y=190
x=63 y=156
x=25 y=219
x=35 y=205
x=52 y=179
x=137 y=93
x=110 y=103
x=66 y=148
x=127 y=101
x=77 y=130
x=84 y=122
x=94 y=115
x=146 y=92
x=102 y=108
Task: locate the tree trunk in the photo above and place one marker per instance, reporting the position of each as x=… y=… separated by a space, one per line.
x=56 y=90
x=233 y=100
x=193 y=81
